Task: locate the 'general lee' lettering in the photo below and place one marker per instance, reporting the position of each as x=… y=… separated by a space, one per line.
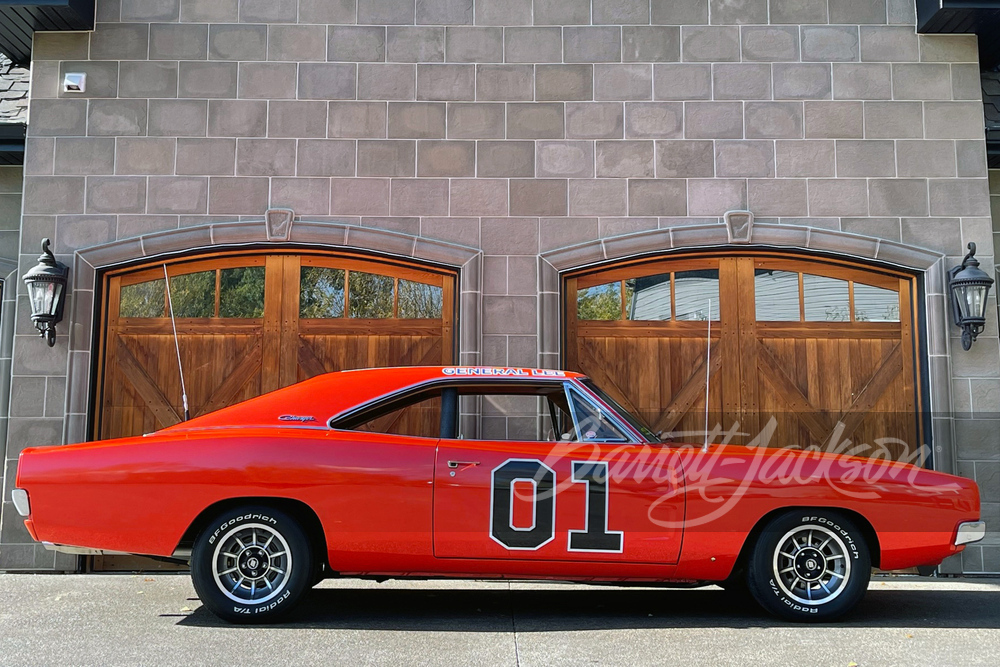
x=503 y=372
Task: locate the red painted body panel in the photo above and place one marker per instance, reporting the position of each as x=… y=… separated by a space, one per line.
x=465 y=534
x=389 y=505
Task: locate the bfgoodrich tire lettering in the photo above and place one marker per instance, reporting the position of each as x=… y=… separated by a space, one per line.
x=252 y=564
x=809 y=565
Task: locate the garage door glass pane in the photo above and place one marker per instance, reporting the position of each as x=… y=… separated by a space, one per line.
x=776 y=295
x=874 y=304
x=826 y=299
x=419 y=301
x=321 y=292
x=193 y=294
x=143 y=299
x=370 y=295
x=648 y=297
x=242 y=292
x=600 y=302
x=693 y=290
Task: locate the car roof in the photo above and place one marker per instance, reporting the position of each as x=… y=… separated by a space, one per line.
x=324 y=396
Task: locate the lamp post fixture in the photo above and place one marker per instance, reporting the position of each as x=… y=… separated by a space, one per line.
x=969 y=286
x=46 y=284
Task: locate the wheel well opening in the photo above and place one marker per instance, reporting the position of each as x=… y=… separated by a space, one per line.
x=867 y=531
x=304 y=514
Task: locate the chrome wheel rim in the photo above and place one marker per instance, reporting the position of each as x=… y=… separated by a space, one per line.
x=812 y=565
x=252 y=563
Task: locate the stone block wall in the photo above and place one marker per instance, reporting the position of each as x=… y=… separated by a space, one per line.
x=514 y=127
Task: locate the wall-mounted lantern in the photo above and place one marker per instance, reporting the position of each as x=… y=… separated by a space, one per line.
x=46 y=283
x=969 y=286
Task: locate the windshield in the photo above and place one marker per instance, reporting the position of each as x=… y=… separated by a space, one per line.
x=622 y=412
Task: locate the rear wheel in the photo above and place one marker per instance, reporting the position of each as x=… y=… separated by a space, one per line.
x=809 y=565
x=252 y=565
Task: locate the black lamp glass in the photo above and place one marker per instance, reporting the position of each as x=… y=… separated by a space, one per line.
x=46 y=284
x=969 y=286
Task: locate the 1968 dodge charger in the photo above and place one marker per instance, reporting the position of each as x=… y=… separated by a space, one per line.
x=428 y=472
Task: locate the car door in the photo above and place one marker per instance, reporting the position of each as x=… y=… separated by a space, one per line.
x=596 y=493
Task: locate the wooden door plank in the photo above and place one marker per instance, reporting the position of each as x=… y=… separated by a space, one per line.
x=911 y=370
x=689 y=393
x=866 y=399
x=245 y=370
x=146 y=387
x=270 y=375
x=743 y=348
x=447 y=322
x=288 y=363
x=594 y=369
x=816 y=421
x=572 y=341
x=308 y=361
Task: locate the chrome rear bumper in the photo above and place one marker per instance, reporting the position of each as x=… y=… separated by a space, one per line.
x=970 y=531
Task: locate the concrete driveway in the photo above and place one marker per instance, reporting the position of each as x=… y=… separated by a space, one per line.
x=156 y=619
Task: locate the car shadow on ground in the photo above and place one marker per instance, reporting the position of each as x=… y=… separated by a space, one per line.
x=549 y=610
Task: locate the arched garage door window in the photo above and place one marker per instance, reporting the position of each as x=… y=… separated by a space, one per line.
x=825 y=347
x=251 y=323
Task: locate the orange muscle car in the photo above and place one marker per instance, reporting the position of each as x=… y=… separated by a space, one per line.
x=481 y=472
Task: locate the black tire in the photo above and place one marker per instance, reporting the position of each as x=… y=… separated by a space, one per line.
x=736 y=590
x=821 y=578
x=266 y=577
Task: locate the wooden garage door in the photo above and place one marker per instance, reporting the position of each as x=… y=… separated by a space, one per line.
x=823 y=347
x=252 y=323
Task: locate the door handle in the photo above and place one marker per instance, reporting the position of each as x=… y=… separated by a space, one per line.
x=462 y=464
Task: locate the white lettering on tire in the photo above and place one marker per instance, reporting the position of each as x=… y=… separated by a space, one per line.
x=246 y=517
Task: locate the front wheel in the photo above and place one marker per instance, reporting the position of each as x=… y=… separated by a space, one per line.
x=809 y=565
x=251 y=564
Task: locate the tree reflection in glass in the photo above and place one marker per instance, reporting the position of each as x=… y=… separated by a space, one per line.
x=193 y=294
x=600 y=302
x=419 y=300
x=241 y=292
x=371 y=295
x=321 y=292
x=143 y=299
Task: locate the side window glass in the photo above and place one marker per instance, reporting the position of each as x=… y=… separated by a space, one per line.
x=499 y=416
x=559 y=425
x=593 y=424
x=421 y=419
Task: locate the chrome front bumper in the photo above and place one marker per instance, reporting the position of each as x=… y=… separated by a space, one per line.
x=21 y=503
x=970 y=531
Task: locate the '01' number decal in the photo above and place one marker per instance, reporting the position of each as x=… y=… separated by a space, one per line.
x=595 y=536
